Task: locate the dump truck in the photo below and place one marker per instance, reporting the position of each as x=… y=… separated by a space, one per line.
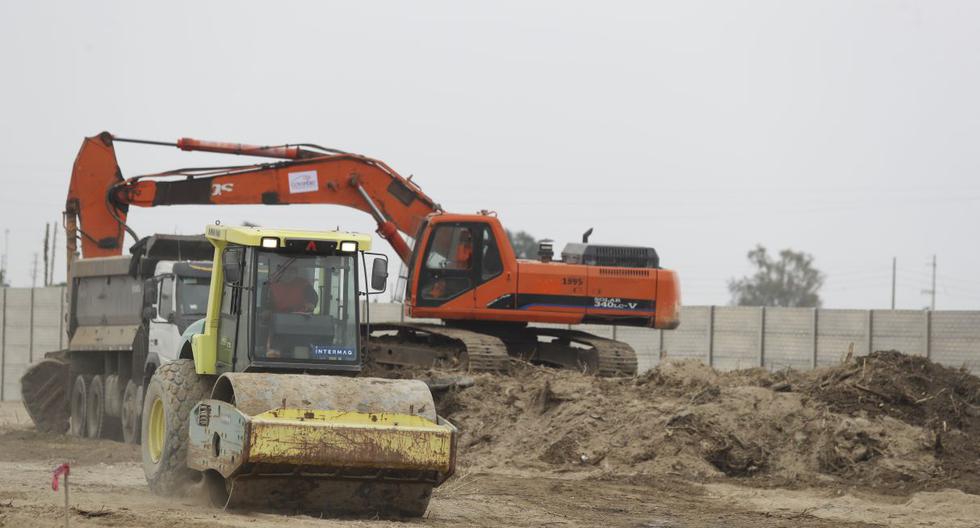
x=263 y=406
x=125 y=316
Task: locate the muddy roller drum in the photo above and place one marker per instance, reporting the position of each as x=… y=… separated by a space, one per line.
x=329 y=444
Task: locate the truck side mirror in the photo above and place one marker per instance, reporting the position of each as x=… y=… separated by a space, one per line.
x=149 y=292
x=379 y=275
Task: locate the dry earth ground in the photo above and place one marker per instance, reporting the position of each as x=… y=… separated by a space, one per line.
x=643 y=465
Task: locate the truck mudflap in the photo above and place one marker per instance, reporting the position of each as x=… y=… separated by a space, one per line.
x=326 y=444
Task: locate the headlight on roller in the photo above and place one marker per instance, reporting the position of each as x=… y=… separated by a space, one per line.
x=348 y=246
x=270 y=242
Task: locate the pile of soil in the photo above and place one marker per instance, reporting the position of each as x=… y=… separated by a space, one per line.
x=943 y=401
x=886 y=422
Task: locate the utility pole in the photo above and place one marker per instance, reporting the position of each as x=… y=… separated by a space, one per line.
x=54 y=245
x=47 y=242
x=932 y=291
x=3 y=258
x=894 y=266
x=34 y=273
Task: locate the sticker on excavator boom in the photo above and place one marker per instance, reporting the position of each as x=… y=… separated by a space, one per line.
x=303 y=182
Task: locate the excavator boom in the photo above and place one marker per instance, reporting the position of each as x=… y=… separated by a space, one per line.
x=303 y=176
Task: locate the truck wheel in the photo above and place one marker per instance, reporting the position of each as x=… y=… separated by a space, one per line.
x=96 y=417
x=78 y=402
x=132 y=409
x=171 y=394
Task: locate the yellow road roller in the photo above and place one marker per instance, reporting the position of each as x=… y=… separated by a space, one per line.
x=264 y=407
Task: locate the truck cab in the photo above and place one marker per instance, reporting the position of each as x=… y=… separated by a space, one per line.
x=174 y=298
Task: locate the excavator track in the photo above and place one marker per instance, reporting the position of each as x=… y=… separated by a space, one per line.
x=491 y=349
x=428 y=345
x=577 y=350
x=612 y=358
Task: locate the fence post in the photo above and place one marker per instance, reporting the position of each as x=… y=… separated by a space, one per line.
x=814 y=327
x=3 y=347
x=870 y=326
x=711 y=336
x=30 y=333
x=762 y=336
x=928 y=344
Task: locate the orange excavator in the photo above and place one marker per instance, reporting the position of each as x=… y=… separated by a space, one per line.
x=462 y=270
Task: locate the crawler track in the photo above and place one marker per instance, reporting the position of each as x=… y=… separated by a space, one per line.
x=607 y=357
x=435 y=345
x=491 y=349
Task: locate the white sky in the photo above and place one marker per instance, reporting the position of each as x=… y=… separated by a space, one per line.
x=845 y=129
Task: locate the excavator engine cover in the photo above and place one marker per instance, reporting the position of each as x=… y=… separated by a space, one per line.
x=610 y=256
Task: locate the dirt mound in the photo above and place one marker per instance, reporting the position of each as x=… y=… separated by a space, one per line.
x=685 y=419
x=909 y=388
x=943 y=401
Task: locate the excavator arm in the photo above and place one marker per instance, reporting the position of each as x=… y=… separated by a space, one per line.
x=99 y=197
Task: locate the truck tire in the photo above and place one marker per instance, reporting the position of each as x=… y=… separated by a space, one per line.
x=172 y=392
x=96 y=418
x=132 y=410
x=77 y=404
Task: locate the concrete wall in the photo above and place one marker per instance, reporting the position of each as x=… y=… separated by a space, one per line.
x=726 y=337
x=31 y=323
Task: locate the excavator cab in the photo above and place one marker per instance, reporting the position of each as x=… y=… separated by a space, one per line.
x=459 y=257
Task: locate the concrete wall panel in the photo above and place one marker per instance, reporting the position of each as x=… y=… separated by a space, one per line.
x=789 y=338
x=646 y=343
x=902 y=330
x=47 y=320
x=17 y=340
x=837 y=331
x=955 y=339
x=690 y=339
x=737 y=337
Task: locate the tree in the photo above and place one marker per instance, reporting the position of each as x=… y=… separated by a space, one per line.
x=525 y=246
x=790 y=280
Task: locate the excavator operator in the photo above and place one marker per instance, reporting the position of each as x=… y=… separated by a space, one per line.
x=464 y=251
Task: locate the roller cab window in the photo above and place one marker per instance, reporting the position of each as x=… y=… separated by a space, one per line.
x=305 y=308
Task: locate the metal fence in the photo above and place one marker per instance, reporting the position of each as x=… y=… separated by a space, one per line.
x=725 y=337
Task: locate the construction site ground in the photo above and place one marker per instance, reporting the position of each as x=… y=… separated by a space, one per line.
x=888 y=440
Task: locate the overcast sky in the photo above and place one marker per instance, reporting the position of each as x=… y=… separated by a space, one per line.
x=848 y=130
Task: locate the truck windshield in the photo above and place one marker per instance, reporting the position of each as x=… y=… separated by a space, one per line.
x=192 y=295
x=306 y=307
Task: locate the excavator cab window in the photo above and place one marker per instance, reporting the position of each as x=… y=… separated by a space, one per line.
x=490 y=263
x=448 y=264
x=459 y=257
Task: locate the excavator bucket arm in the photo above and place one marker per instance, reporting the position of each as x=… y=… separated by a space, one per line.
x=99 y=197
